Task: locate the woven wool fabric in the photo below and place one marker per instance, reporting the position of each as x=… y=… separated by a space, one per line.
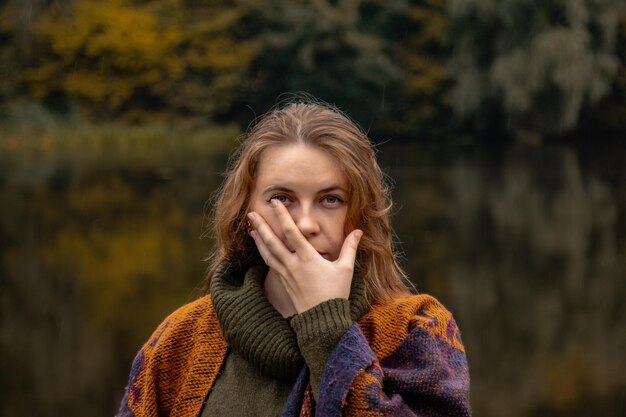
x=404 y=358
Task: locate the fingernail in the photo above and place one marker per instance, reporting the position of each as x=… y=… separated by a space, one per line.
x=358 y=234
x=251 y=216
x=274 y=203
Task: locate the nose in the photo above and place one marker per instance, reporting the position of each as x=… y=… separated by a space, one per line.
x=304 y=217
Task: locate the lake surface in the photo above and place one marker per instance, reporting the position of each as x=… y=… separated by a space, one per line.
x=525 y=245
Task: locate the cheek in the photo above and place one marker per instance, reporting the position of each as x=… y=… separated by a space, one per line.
x=338 y=231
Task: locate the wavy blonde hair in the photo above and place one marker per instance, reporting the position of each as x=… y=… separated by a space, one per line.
x=369 y=203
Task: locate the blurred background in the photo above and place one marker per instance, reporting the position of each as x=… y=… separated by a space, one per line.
x=502 y=124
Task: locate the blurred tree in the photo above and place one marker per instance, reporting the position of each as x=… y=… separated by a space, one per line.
x=8 y=57
x=419 y=103
x=514 y=65
x=537 y=64
x=125 y=56
x=214 y=50
x=17 y=19
x=609 y=116
x=331 y=49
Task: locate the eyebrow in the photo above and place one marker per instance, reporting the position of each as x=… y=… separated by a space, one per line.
x=279 y=187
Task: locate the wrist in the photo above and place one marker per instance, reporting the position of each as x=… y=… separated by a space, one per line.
x=324 y=322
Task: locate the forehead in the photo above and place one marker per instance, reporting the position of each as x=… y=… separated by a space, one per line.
x=297 y=165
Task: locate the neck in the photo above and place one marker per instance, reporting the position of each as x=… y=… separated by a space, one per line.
x=277 y=294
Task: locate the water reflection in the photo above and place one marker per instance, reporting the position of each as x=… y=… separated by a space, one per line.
x=533 y=266
x=528 y=248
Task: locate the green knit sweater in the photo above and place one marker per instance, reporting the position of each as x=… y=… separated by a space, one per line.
x=268 y=351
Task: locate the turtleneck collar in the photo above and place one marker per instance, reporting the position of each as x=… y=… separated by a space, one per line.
x=255 y=329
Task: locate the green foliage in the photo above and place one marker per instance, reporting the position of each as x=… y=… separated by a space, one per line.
x=9 y=57
x=331 y=49
x=539 y=62
x=421 y=45
x=610 y=114
x=401 y=67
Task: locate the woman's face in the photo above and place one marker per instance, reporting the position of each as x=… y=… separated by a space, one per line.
x=309 y=183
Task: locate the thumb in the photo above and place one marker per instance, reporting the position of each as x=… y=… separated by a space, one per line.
x=350 y=245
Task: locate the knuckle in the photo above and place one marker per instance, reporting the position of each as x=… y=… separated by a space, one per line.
x=291 y=263
x=305 y=256
x=291 y=230
x=271 y=262
x=346 y=267
x=272 y=242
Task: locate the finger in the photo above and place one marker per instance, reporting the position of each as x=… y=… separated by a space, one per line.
x=349 y=248
x=294 y=237
x=269 y=259
x=266 y=235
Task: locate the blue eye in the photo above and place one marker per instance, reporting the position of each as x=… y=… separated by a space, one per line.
x=332 y=200
x=280 y=197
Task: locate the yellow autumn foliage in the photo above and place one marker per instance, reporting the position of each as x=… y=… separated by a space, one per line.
x=427 y=72
x=115 y=53
x=421 y=52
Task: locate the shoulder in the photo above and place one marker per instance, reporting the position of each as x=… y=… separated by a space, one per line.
x=191 y=329
x=185 y=323
x=178 y=363
x=386 y=326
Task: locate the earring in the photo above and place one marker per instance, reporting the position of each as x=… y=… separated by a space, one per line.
x=249 y=226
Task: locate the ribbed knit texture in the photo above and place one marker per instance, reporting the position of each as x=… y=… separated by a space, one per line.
x=322 y=320
x=240 y=382
x=257 y=331
x=252 y=326
x=412 y=345
x=318 y=330
x=176 y=367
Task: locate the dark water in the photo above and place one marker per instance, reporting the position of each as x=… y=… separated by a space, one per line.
x=527 y=247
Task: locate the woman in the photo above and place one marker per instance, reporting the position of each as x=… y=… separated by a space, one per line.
x=306 y=312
